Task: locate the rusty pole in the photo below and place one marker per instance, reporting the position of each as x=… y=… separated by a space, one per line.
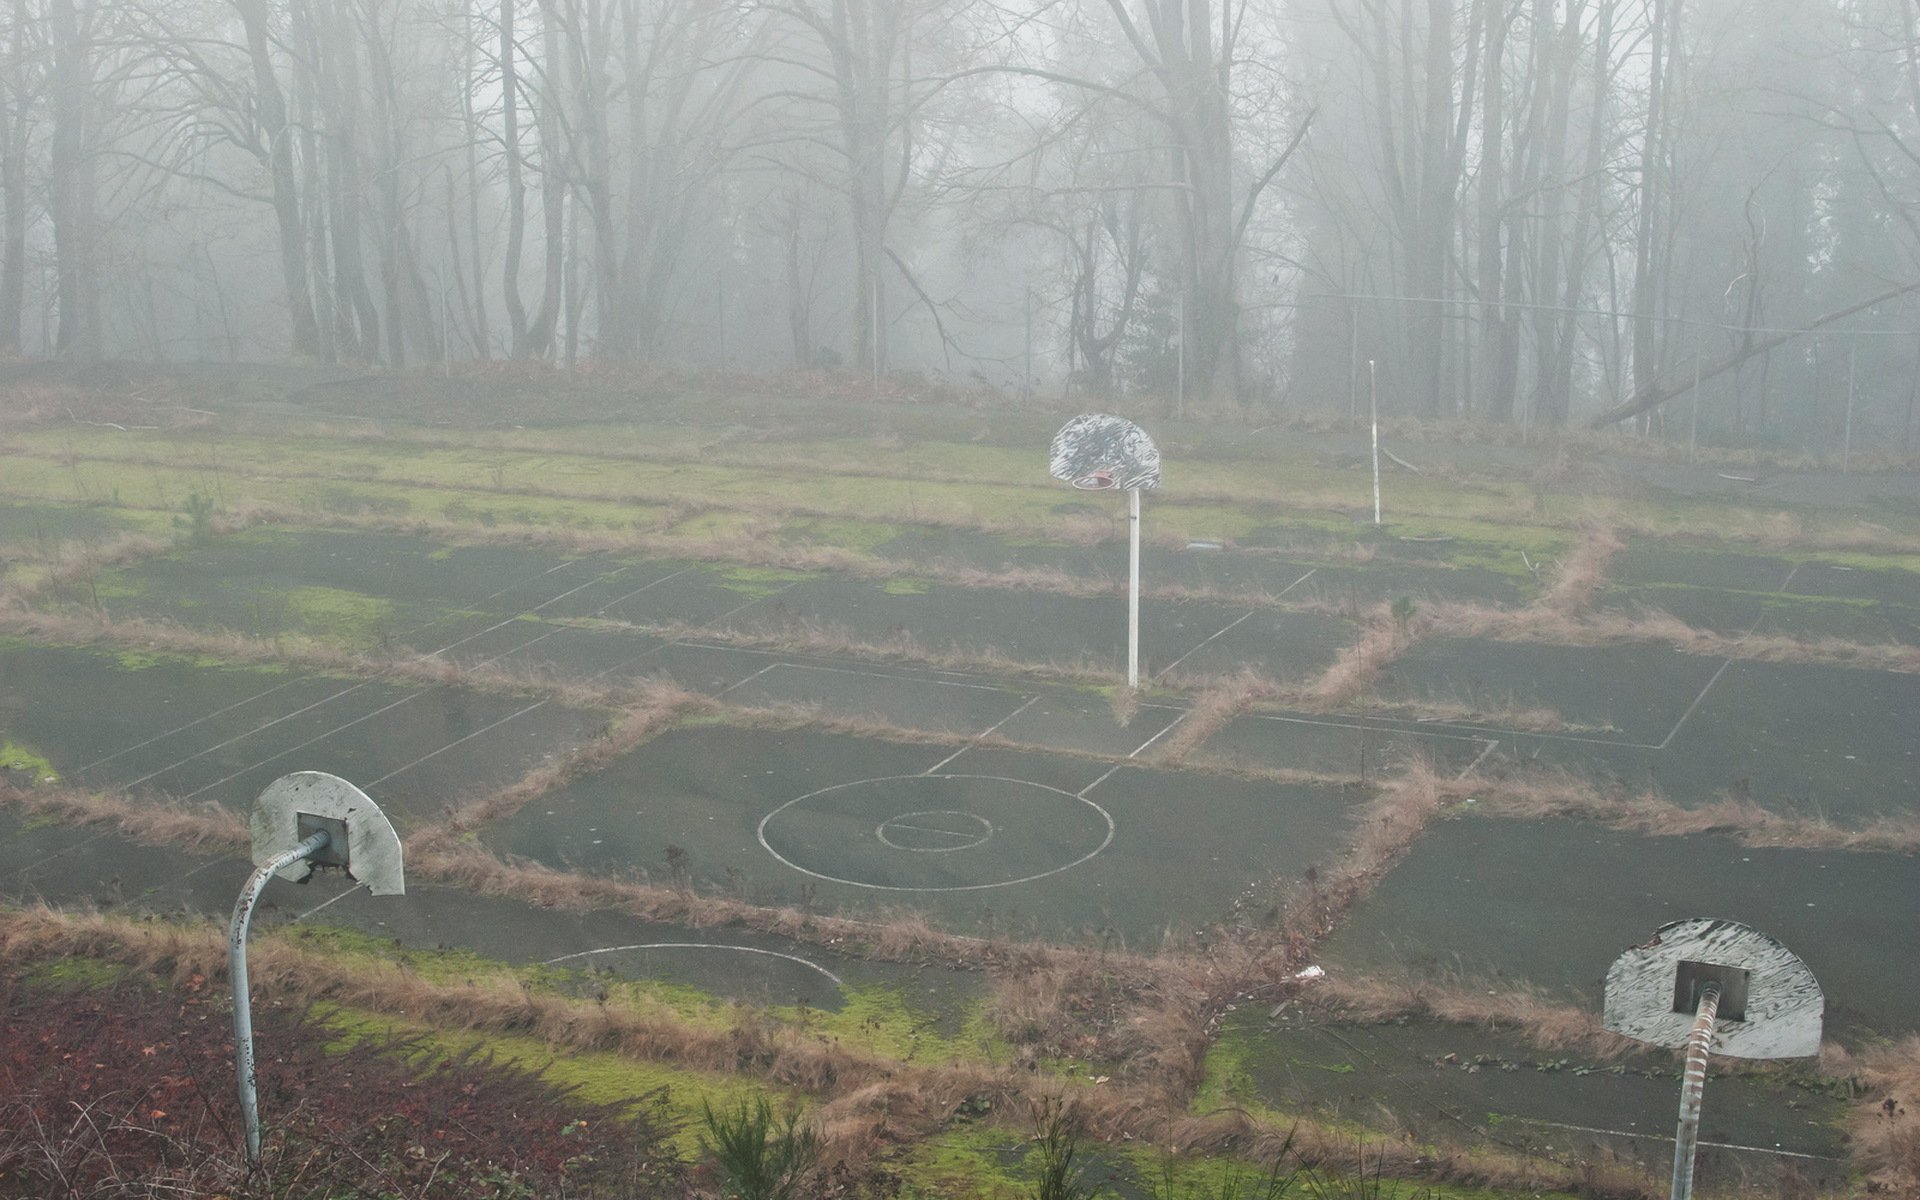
x=1699 y=1045
x=237 y=971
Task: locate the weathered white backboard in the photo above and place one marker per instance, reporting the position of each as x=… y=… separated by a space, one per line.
x=361 y=840
x=1096 y=450
x=1770 y=1005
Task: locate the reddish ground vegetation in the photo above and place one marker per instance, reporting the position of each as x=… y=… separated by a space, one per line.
x=126 y=1090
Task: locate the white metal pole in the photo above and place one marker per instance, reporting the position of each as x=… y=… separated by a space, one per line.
x=1373 y=407
x=1846 y=447
x=1699 y=1045
x=1133 y=587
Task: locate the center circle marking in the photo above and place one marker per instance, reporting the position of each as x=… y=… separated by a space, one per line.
x=1106 y=839
x=947 y=829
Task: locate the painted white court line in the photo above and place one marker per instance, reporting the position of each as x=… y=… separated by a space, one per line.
x=347 y=691
x=792 y=958
x=1243 y=616
x=1324 y=723
x=200 y=720
x=1638 y=1135
x=807 y=666
x=749 y=679
x=484 y=729
x=1137 y=751
x=982 y=735
x=619 y=600
x=1675 y=731
x=328 y=903
x=1491 y=746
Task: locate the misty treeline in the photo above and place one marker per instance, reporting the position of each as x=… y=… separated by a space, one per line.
x=1512 y=210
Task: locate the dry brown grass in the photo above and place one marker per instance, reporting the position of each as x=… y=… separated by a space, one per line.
x=76 y=562
x=1884 y=1127
x=1218 y=702
x=660 y=704
x=399 y=665
x=1551 y=792
x=1582 y=573
x=202 y=827
x=869 y=1101
x=1609 y=628
x=1544 y=1021
x=1383 y=639
x=820 y=639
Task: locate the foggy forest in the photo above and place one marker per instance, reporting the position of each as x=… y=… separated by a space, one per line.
x=1539 y=212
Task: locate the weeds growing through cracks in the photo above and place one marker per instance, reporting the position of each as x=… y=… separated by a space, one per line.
x=1237 y=1182
x=1058 y=1170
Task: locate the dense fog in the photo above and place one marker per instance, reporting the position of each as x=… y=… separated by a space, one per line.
x=1531 y=211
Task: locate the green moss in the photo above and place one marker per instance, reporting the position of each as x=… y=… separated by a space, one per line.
x=718 y=523
x=965 y=1161
x=77 y=974
x=596 y=1077
x=761 y=582
x=145 y=660
x=24 y=759
x=883 y=1021
x=902 y=586
x=338 y=615
x=845 y=533
x=1228 y=1083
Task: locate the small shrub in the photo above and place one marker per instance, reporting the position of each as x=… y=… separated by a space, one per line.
x=198 y=519
x=762 y=1157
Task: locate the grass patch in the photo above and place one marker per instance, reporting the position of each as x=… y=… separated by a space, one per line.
x=22 y=759
x=680 y=1096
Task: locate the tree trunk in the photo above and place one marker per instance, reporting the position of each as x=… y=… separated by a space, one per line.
x=13 y=189
x=271 y=109
x=70 y=185
x=516 y=181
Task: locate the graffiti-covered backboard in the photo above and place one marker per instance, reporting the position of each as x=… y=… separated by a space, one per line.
x=1096 y=450
x=1770 y=1005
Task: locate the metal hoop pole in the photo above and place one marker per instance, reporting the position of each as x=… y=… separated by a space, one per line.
x=1133 y=588
x=1699 y=1045
x=1373 y=408
x=237 y=972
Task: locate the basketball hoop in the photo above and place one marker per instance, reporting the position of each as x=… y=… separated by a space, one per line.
x=1096 y=452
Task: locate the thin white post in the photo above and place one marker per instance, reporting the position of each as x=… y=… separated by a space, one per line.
x=874 y=304
x=1699 y=1045
x=1133 y=587
x=1693 y=424
x=1846 y=447
x=446 y=334
x=1373 y=407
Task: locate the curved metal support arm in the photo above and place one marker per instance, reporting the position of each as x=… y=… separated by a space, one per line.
x=237 y=972
x=1692 y=1085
